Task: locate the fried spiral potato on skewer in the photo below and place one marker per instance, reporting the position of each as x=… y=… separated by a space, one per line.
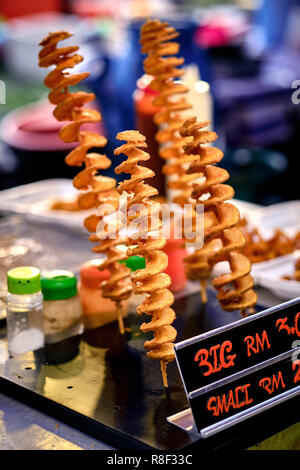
x=68 y=106
x=118 y=287
x=222 y=239
x=148 y=242
x=161 y=63
x=97 y=190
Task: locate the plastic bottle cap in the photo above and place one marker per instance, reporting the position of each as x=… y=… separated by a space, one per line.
x=58 y=285
x=24 y=280
x=135 y=262
x=90 y=274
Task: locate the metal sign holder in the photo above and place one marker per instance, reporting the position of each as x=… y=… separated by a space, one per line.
x=185 y=419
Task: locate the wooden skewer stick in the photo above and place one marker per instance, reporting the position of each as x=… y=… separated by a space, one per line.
x=120 y=318
x=203 y=291
x=163 y=366
x=244 y=312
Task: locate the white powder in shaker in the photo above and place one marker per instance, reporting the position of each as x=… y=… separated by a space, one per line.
x=28 y=340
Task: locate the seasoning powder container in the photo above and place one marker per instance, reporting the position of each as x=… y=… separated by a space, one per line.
x=62 y=316
x=24 y=310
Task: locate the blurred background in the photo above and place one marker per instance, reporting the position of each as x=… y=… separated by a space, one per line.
x=242 y=60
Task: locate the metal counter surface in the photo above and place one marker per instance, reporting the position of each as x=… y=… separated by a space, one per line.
x=24 y=428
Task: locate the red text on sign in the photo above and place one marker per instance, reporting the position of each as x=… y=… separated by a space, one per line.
x=296 y=367
x=216 y=358
x=270 y=384
x=256 y=344
x=282 y=325
x=236 y=398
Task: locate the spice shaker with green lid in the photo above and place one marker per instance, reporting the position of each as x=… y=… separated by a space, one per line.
x=62 y=315
x=59 y=285
x=24 y=310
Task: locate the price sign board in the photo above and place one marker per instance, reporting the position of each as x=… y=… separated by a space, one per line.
x=259 y=385
x=242 y=368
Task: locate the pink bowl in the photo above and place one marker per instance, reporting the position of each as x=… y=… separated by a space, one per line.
x=33 y=127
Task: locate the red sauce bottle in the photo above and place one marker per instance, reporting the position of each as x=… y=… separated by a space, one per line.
x=97 y=311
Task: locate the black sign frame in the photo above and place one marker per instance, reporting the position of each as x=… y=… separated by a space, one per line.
x=225 y=386
x=279 y=340
x=262 y=386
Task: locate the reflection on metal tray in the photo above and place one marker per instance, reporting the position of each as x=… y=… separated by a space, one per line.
x=34 y=201
x=273 y=277
x=111 y=390
x=27 y=243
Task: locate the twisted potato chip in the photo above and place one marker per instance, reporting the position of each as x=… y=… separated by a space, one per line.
x=162 y=63
x=98 y=189
x=259 y=249
x=151 y=281
x=297 y=241
x=222 y=239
